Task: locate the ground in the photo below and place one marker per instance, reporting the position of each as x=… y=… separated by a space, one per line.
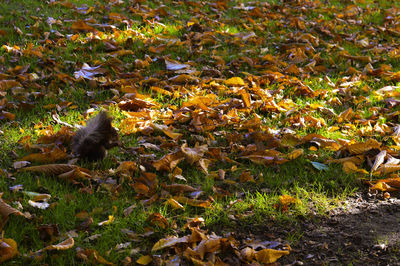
x=246 y=128
x=364 y=232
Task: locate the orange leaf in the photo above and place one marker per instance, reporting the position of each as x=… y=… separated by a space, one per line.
x=8 y=84
x=8 y=249
x=82 y=26
x=287 y=199
x=46 y=157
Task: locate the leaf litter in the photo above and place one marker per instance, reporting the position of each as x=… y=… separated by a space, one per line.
x=224 y=98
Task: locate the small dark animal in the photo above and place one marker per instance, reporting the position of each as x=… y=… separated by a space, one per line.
x=93 y=141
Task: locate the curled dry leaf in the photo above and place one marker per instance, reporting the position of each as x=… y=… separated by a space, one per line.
x=379 y=159
x=8 y=249
x=89 y=72
x=248 y=254
x=5 y=211
x=20 y=164
x=193 y=155
x=174 y=65
x=59 y=169
x=64 y=245
x=127 y=167
x=169 y=161
x=174 y=204
x=388 y=168
x=387 y=184
x=157 y=219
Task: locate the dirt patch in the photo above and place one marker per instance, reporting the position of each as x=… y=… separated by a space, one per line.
x=366 y=231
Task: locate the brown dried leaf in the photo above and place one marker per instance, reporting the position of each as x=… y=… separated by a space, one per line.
x=57 y=169
x=8 y=249
x=168 y=162
x=193 y=155
x=82 y=26
x=64 y=245
x=360 y=148
x=174 y=188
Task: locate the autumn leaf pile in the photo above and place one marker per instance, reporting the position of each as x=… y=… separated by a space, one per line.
x=212 y=87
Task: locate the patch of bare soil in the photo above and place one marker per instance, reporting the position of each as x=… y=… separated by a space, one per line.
x=365 y=232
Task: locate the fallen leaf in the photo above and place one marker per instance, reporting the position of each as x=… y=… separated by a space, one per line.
x=144 y=260
x=266 y=256
x=8 y=249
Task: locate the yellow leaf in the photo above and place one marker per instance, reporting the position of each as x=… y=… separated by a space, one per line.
x=295 y=154
x=270 y=255
x=359 y=148
x=174 y=204
x=111 y=219
x=382 y=186
x=350 y=167
x=235 y=81
x=144 y=260
x=169 y=242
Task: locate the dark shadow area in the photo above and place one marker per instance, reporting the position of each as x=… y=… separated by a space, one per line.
x=365 y=232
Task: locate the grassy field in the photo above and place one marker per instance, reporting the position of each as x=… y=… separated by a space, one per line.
x=247 y=100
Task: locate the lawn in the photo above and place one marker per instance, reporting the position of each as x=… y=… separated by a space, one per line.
x=233 y=116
